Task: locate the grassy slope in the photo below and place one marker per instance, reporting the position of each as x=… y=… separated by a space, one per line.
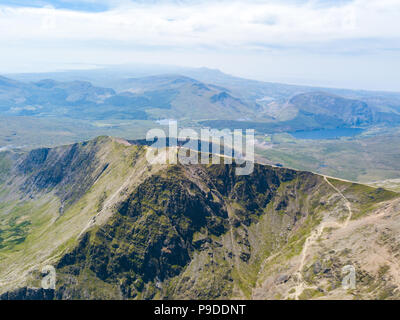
x=35 y=232
x=239 y=252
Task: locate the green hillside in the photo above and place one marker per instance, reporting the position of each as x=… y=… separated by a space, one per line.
x=117 y=227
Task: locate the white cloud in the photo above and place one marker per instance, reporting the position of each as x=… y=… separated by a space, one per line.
x=220 y=25
x=340 y=43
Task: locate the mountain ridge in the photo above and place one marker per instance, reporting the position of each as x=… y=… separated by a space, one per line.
x=187 y=99
x=141 y=231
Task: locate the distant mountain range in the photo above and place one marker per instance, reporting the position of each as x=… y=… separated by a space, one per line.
x=209 y=96
x=146 y=98
x=351 y=112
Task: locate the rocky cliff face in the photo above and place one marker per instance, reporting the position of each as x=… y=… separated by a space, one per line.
x=70 y=170
x=172 y=216
x=29 y=294
x=116 y=227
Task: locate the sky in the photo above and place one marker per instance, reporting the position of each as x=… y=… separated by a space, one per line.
x=341 y=43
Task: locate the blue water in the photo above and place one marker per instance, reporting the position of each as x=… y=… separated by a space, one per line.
x=326 y=133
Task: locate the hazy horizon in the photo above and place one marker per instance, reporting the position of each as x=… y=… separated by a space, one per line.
x=281 y=80
x=342 y=44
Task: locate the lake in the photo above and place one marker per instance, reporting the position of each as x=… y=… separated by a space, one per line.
x=326 y=133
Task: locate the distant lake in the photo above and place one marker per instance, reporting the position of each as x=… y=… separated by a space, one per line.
x=326 y=133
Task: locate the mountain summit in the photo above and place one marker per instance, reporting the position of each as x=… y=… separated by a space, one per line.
x=116 y=227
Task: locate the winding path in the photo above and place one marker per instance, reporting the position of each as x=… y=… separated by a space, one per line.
x=314 y=237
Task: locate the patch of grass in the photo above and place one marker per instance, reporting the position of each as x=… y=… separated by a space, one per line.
x=308 y=294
